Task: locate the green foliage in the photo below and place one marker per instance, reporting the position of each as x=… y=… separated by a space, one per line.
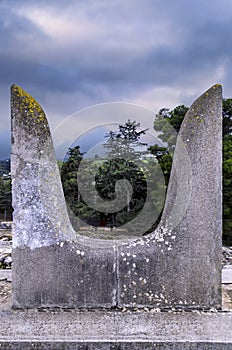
x=164 y=158
x=125 y=143
x=175 y=118
x=69 y=170
x=227 y=171
x=128 y=131
x=69 y=175
x=106 y=177
x=227 y=116
x=5 y=199
x=166 y=120
x=123 y=148
x=4 y=167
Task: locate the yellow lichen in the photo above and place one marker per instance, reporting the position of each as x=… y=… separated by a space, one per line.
x=216 y=85
x=28 y=105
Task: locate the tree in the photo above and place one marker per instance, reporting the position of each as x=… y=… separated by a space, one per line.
x=125 y=143
x=68 y=173
x=164 y=158
x=227 y=187
x=123 y=148
x=5 y=199
x=107 y=176
x=4 y=167
x=165 y=121
x=163 y=154
x=227 y=171
x=227 y=116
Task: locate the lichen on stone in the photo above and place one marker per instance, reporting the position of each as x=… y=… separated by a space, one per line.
x=27 y=105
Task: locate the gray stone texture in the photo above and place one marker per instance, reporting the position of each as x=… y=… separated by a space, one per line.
x=183 y=267
x=109 y=330
x=64 y=345
x=40 y=216
x=176 y=266
x=64 y=277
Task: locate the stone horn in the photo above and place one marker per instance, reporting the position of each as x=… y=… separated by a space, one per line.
x=178 y=265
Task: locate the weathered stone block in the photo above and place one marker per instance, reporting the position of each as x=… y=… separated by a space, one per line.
x=64 y=277
x=178 y=265
x=115 y=330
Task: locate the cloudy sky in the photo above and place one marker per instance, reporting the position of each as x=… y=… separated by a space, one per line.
x=74 y=54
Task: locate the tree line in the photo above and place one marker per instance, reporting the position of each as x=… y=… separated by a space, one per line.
x=5 y=191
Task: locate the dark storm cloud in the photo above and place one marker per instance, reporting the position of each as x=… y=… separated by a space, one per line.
x=119 y=62
x=85 y=52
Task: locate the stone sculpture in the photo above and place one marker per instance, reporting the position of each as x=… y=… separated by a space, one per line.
x=176 y=266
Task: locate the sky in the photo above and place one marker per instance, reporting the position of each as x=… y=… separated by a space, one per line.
x=76 y=54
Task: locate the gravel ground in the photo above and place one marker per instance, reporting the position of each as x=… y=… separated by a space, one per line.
x=5 y=294
x=227 y=256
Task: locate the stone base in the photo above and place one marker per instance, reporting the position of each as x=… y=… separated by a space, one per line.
x=69 y=345
x=115 y=330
